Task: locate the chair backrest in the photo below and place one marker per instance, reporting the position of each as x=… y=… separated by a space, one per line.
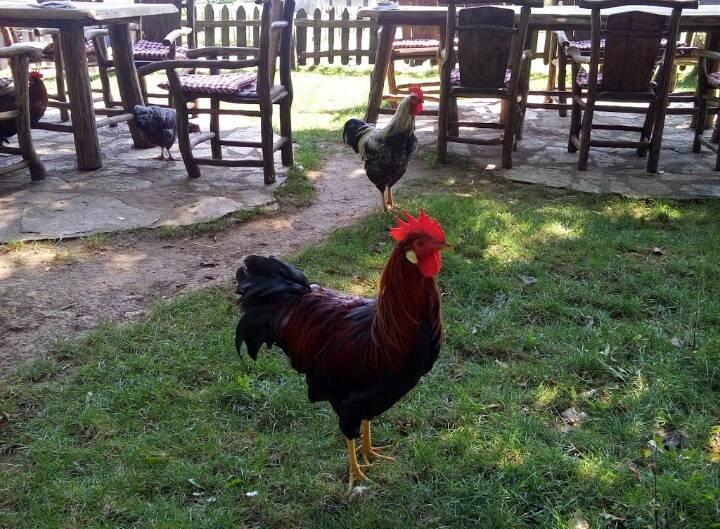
x=489 y=39
x=632 y=43
x=276 y=25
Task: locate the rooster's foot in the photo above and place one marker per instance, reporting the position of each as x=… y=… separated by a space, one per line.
x=355 y=471
x=367 y=450
x=161 y=156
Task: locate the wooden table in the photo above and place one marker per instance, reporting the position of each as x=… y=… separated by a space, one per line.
x=706 y=18
x=71 y=23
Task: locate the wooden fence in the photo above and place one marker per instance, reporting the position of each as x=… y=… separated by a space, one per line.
x=328 y=34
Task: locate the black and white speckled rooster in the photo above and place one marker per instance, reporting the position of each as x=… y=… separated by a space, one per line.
x=387 y=151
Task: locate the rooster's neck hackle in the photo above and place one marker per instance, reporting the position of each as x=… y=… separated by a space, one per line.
x=406 y=298
x=402 y=122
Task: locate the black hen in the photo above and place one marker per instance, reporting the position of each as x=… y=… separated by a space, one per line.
x=387 y=151
x=160 y=126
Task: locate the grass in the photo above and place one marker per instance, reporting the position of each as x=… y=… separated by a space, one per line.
x=159 y=423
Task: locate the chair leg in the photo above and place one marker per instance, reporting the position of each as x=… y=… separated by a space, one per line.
x=286 y=131
x=20 y=66
x=443 y=111
x=183 y=131
x=585 y=134
x=552 y=64
x=391 y=81
x=60 y=77
x=575 y=116
x=143 y=89
x=108 y=99
x=699 y=123
x=561 y=80
x=656 y=140
x=266 y=140
x=215 y=147
x=509 y=134
x=453 y=116
x=647 y=128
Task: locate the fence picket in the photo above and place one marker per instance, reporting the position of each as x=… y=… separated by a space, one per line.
x=317 y=35
x=256 y=28
x=225 y=29
x=345 y=38
x=331 y=36
x=209 y=30
x=241 y=29
x=301 y=37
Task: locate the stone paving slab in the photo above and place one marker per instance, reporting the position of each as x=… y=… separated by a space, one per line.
x=132 y=190
x=542 y=157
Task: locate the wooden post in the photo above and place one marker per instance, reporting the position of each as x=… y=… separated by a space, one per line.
x=19 y=66
x=87 y=146
x=225 y=28
x=256 y=29
x=127 y=79
x=373 y=49
x=301 y=39
x=358 y=43
x=345 y=37
x=241 y=29
x=377 y=79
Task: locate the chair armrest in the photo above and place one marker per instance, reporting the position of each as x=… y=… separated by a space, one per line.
x=576 y=55
x=196 y=64
x=707 y=54
x=176 y=34
x=215 y=51
x=96 y=32
x=563 y=40
x=18 y=50
x=41 y=32
x=527 y=55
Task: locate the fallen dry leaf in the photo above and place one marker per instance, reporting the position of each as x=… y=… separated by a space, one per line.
x=572 y=416
x=528 y=280
x=578 y=521
x=659 y=251
x=458 y=370
x=677 y=342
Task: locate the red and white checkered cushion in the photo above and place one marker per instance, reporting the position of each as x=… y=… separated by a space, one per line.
x=50 y=47
x=682 y=49
x=416 y=43
x=5 y=82
x=455 y=77
x=224 y=84
x=583 y=79
x=147 y=50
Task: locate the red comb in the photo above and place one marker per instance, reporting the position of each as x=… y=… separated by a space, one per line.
x=423 y=225
x=417 y=90
x=35 y=75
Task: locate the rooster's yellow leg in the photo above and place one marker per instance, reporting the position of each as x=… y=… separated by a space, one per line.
x=382 y=201
x=355 y=470
x=390 y=198
x=367 y=450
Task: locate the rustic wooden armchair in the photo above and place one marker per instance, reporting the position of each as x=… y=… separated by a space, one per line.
x=708 y=102
x=160 y=39
x=418 y=43
x=633 y=41
x=580 y=42
x=19 y=57
x=491 y=62
x=255 y=88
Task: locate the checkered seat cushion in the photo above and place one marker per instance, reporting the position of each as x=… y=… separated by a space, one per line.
x=713 y=80
x=147 y=50
x=455 y=77
x=49 y=48
x=583 y=79
x=682 y=49
x=5 y=82
x=238 y=83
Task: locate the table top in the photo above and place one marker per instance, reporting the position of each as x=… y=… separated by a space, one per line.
x=705 y=17
x=85 y=13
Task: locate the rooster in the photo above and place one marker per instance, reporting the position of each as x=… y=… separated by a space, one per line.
x=362 y=355
x=38 y=97
x=387 y=151
x=160 y=126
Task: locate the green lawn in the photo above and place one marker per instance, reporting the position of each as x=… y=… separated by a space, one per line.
x=159 y=424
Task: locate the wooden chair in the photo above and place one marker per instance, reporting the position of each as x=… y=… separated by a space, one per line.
x=160 y=39
x=579 y=41
x=418 y=43
x=19 y=58
x=257 y=89
x=491 y=62
x=708 y=102
x=632 y=43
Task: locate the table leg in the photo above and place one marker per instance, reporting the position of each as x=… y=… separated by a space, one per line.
x=377 y=79
x=127 y=78
x=87 y=146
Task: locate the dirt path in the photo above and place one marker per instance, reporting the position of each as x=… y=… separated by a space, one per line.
x=67 y=289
